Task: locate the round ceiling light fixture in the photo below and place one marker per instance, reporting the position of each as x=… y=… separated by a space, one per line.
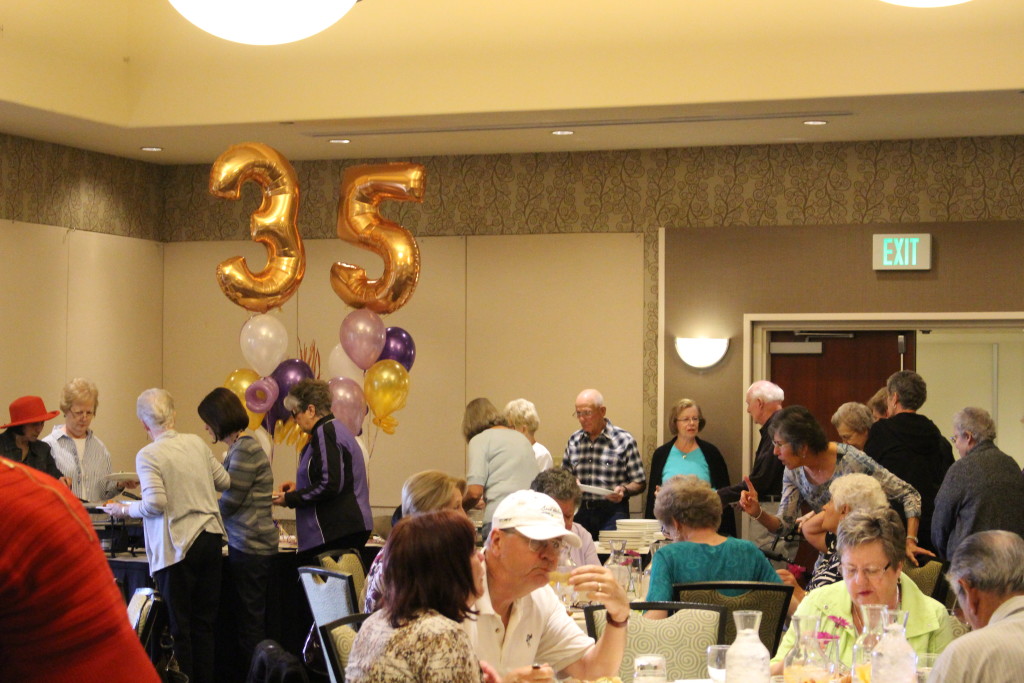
x=263 y=22
x=926 y=3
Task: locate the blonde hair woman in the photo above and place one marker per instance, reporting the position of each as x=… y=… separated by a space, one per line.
x=423 y=492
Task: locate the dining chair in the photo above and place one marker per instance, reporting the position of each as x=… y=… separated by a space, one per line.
x=930 y=577
x=682 y=638
x=338 y=637
x=349 y=561
x=331 y=596
x=771 y=599
x=147 y=614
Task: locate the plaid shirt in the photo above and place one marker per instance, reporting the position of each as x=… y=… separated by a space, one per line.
x=609 y=460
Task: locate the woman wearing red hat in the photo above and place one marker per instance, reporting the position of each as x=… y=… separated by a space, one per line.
x=20 y=442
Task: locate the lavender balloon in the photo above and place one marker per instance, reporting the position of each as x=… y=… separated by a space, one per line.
x=362 y=336
x=348 y=403
x=261 y=394
x=398 y=345
x=289 y=373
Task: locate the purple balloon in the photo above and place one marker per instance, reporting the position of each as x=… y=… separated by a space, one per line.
x=348 y=403
x=399 y=346
x=261 y=394
x=289 y=373
x=362 y=336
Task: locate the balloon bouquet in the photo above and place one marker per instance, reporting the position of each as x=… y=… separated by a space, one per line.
x=369 y=367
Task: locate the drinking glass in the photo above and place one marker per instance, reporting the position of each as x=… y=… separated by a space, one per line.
x=716 y=662
x=649 y=669
x=925 y=663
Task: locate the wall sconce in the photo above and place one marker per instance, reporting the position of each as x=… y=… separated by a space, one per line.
x=701 y=353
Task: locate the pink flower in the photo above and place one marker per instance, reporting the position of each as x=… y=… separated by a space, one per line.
x=823 y=635
x=839 y=621
x=632 y=553
x=796 y=570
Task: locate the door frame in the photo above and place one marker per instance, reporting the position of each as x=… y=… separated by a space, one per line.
x=757 y=326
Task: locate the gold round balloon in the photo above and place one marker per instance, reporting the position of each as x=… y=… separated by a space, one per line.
x=237 y=382
x=363 y=188
x=273 y=224
x=386 y=387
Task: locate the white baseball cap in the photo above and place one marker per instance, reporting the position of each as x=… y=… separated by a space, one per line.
x=534 y=515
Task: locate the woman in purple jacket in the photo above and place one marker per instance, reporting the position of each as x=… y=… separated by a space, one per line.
x=330 y=495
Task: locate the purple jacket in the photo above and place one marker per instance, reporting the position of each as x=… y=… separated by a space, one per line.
x=331 y=496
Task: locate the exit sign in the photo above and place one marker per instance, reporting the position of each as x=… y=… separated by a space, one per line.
x=902 y=252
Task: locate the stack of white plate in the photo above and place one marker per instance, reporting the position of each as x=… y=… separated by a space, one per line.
x=637 y=533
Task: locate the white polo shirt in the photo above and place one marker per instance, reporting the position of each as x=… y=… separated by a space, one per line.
x=539 y=631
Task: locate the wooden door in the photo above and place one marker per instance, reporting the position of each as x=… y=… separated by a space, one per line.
x=852 y=366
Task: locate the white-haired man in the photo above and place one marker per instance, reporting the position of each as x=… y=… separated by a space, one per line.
x=764 y=401
x=987 y=572
x=604 y=456
x=521 y=622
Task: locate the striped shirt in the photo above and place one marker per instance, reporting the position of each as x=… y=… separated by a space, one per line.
x=607 y=461
x=86 y=474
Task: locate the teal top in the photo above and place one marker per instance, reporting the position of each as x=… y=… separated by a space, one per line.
x=928 y=627
x=685 y=562
x=693 y=463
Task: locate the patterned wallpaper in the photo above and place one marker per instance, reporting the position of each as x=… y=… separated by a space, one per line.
x=908 y=181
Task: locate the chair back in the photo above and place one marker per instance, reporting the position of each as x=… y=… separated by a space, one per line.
x=771 y=599
x=331 y=596
x=683 y=637
x=930 y=578
x=350 y=562
x=147 y=614
x=338 y=638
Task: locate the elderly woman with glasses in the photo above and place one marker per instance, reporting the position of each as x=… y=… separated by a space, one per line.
x=686 y=454
x=690 y=511
x=812 y=462
x=331 y=497
x=78 y=452
x=871 y=550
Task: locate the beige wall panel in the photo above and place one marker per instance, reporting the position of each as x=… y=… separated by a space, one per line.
x=115 y=331
x=549 y=315
x=201 y=328
x=34 y=279
x=427 y=436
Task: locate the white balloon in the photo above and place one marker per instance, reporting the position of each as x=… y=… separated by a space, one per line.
x=264 y=341
x=340 y=365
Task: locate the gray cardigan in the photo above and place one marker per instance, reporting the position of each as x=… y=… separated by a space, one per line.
x=983 y=490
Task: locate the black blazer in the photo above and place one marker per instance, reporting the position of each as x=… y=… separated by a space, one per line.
x=716 y=466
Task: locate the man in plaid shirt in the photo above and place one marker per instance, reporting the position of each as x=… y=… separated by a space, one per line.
x=600 y=454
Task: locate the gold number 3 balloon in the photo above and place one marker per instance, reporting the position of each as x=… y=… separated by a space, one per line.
x=273 y=224
x=363 y=188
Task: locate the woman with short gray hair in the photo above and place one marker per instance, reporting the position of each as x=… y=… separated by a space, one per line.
x=522 y=417
x=871 y=546
x=690 y=511
x=853 y=421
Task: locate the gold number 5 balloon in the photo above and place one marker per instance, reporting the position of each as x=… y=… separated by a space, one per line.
x=273 y=224
x=363 y=188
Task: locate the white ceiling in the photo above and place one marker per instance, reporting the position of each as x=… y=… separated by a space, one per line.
x=407 y=78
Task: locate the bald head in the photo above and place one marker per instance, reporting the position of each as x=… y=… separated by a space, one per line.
x=590 y=412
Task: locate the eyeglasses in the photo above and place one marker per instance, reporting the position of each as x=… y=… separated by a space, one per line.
x=870 y=573
x=555 y=544
x=79 y=414
x=955 y=437
x=582 y=413
x=695 y=420
x=779 y=444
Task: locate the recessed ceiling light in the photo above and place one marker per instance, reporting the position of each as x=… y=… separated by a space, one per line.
x=926 y=3
x=339 y=141
x=152 y=149
x=561 y=132
x=815 y=122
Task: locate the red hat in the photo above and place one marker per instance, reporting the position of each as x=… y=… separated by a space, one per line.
x=28 y=409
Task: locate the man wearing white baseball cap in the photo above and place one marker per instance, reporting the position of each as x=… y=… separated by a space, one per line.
x=521 y=623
